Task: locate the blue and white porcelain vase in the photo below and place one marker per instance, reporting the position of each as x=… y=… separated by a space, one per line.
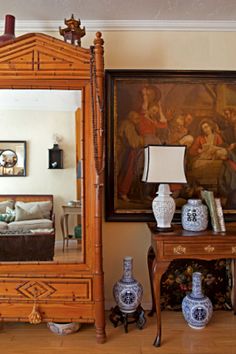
x=194 y=215
x=197 y=308
x=127 y=291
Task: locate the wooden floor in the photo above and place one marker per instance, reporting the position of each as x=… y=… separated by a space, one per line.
x=72 y=253
x=219 y=337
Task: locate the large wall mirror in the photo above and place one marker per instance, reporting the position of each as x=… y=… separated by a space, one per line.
x=40 y=118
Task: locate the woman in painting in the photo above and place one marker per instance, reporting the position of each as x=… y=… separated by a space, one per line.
x=206 y=155
x=153 y=124
x=207 y=145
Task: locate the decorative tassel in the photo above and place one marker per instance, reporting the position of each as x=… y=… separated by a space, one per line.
x=35 y=317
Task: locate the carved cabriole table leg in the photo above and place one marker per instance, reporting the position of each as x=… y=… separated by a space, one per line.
x=234 y=286
x=150 y=259
x=158 y=270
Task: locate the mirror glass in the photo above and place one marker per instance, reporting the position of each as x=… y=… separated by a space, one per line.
x=34 y=122
x=8 y=158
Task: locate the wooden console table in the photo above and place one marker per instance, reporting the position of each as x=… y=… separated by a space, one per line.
x=68 y=210
x=181 y=244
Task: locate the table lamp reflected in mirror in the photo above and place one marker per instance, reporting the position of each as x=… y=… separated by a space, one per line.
x=164 y=164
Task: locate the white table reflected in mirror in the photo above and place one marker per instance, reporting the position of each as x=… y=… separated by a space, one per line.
x=71 y=209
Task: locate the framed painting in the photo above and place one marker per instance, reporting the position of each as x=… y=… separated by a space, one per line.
x=12 y=158
x=192 y=108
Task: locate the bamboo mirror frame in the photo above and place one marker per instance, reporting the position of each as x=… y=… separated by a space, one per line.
x=52 y=291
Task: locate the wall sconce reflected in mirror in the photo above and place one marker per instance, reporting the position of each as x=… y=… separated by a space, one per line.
x=55 y=157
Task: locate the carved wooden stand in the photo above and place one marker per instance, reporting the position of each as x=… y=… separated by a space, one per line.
x=118 y=317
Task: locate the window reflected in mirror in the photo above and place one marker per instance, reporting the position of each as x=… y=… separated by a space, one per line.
x=31 y=120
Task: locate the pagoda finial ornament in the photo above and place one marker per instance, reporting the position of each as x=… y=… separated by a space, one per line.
x=73 y=32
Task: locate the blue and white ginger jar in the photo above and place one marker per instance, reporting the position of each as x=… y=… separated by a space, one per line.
x=194 y=215
x=197 y=308
x=127 y=291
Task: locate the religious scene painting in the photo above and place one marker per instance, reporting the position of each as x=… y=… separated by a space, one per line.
x=192 y=108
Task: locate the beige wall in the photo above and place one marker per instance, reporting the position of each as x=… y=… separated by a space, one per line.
x=153 y=50
x=37 y=128
x=168 y=50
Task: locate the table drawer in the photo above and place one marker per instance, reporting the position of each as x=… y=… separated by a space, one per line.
x=199 y=249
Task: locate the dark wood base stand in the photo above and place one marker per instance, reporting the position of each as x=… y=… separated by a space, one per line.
x=118 y=317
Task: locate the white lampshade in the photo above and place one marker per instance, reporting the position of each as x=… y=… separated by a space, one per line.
x=164 y=164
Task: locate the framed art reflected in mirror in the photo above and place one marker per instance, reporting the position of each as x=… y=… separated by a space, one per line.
x=12 y=158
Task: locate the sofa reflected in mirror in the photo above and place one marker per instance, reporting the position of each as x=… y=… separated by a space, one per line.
x=27 y=228
x=12 y=158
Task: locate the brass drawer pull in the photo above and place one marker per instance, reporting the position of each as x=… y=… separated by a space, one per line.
x=179 y=250
x=233 y=249
x=209 y=249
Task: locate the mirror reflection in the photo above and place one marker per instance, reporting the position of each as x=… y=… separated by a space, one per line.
x=12 y=158
x=8 y=158
x=46 y=206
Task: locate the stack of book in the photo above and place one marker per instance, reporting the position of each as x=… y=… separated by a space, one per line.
x=215 y=209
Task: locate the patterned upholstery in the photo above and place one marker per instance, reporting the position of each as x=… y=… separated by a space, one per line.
x=217 y=281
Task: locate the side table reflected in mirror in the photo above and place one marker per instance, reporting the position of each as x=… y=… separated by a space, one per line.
x=70 y=210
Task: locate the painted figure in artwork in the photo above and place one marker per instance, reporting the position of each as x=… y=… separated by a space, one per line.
x=129 y=141
x=146 y=126
x=206 y=145
x=153 y=123
x=227 y=178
